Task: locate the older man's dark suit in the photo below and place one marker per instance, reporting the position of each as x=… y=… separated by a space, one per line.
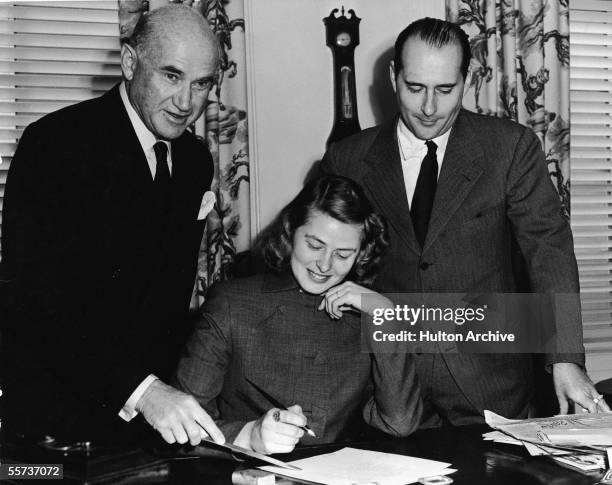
x=493 y=186
x=102 y=268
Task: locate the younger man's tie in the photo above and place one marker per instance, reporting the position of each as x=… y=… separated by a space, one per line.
x=424 y=193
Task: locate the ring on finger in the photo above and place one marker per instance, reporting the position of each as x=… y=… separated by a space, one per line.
x=276 y=415
x=597 y=398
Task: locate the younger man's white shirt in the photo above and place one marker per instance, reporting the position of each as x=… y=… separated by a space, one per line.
x=412 y=152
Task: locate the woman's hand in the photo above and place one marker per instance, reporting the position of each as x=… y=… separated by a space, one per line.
x=278 y=431
x=349 y=296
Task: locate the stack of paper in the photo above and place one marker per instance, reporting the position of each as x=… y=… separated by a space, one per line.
x=349 y=465
x=579 y=440
x=580 y=436
x=586 y=463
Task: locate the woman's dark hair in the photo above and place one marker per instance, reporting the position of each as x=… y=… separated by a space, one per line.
x=337 y=197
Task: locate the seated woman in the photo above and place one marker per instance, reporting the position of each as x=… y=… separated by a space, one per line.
x=273 y=330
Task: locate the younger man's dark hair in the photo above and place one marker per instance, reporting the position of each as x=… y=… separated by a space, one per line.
x=437 y=33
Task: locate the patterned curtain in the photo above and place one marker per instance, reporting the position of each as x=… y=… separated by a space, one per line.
x=225 y=131
x=520 y=70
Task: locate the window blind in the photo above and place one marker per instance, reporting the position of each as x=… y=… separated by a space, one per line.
x=591 y=173
x=52 y=54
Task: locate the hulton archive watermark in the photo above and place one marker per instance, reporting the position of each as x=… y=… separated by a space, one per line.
x=472 y=323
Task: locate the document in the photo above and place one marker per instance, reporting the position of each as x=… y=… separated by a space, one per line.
x=574 y=436
x=500 y=437
x=578 y=436
x=583 y=462
x=351 y=466
x=566 y=430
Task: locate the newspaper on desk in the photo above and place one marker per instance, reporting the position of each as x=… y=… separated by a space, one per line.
x=579 y=440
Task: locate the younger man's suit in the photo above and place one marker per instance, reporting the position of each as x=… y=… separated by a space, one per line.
x=493 y=185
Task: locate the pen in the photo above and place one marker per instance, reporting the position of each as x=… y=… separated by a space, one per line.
x=278 y=404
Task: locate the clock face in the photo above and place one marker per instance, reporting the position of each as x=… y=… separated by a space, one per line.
x=343 y=39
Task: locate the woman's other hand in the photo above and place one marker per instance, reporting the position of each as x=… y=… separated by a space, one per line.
x=350 y=296
x=278 y=431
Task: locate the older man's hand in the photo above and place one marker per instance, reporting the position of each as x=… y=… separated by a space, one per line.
x=176 y=415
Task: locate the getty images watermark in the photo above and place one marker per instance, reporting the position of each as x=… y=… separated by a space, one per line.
x=472 y=323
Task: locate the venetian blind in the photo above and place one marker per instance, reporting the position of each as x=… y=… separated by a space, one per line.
x=591 y=173
x=52 y=54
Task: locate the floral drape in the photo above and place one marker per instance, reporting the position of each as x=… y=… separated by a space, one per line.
x=520 y=70
x=225 y=131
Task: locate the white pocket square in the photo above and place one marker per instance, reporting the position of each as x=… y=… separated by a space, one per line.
x=208 y=201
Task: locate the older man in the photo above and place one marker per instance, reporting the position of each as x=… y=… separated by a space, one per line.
x=456 y=188
x=102 y=225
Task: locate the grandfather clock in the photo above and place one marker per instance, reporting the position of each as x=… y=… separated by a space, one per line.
x=342 y=34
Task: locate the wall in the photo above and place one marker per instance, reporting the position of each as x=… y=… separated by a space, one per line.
x=291 y=85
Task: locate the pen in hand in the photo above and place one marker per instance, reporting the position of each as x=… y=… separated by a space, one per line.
x=278 y=404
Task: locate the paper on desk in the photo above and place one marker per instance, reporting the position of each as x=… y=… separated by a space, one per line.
x=578 y=436
x=539 y=450
x=349 y=466
x=583 y=462
x=580 y=429
x=500 y=437
x=534 y=450
x=570 y=435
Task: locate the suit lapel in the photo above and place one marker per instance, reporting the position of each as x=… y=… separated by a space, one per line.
x=461 y=168
x=186 y=193
x=384 y=182
x=184 y=187
x=128 y=157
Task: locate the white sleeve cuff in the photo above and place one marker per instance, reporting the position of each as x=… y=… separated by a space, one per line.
x=128 y=411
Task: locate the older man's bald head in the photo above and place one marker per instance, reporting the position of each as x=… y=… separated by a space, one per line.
x=174 y=23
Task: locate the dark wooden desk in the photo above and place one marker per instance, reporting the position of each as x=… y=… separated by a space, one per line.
x=477 y=461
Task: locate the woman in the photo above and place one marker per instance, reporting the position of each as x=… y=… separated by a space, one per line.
x=271 y=329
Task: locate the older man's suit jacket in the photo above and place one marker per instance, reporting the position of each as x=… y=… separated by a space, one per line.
x=101 y=269
x=493 y=186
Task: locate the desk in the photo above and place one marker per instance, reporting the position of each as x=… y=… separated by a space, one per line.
x=478 y=461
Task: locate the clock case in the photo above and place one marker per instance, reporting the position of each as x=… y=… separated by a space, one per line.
x=346 y=121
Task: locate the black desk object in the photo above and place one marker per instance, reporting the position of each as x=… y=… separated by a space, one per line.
x=477 y=461
x=605 y=388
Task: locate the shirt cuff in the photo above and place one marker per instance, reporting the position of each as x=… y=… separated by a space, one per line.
x=128 y=411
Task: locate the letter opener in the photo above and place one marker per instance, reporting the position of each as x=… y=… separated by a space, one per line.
x=253 y=454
